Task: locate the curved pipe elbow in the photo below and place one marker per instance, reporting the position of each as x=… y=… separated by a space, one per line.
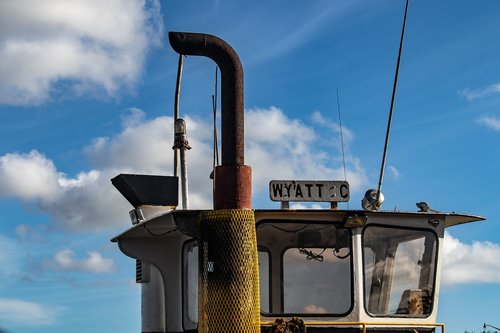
x=225 y=57
x=188 y=43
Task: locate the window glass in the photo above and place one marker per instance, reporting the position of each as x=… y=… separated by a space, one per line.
x=308 y=268
x=190 y=285
x=399 y=270
x=315 y=281
x=264 y=281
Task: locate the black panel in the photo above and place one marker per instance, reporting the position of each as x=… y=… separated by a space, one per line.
x=148 y=190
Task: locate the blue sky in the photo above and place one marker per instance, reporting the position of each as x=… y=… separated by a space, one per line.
x=86 y=92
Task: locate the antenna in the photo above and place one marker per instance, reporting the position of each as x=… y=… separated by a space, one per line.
x=214 y=105
x=216 y=145
x=379 y=189
x=341 y=139
x=341 y=136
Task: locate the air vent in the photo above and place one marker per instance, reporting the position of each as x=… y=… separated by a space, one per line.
x=141 y=271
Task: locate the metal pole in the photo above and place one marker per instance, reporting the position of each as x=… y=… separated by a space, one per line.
x=181 y=144
x=184 y=179
x=176 y=110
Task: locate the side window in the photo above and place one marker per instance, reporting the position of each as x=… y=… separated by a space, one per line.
x=190 y=285
x=399 y=268
x=264 y=281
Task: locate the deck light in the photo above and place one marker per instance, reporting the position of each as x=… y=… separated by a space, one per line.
x=370 y=201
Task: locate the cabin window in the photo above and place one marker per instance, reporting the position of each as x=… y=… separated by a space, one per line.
x=264 y=281
x=399 y=271
x=190 y=285
x=307 y=268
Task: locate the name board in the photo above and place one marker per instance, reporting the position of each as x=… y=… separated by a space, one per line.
x=309 y=190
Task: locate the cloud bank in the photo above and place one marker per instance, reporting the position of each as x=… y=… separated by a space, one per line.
x=88 y=46
x=277 y=147
x=80 y=202
x=470 y=263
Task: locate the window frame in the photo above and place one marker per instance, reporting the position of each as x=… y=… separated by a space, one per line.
x=281 y=263
x=434 y=274
x=186 y=323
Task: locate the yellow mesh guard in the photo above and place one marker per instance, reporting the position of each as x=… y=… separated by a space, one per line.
x=229 y=272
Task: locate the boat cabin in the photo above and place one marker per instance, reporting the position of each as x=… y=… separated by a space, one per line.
x=338 y=270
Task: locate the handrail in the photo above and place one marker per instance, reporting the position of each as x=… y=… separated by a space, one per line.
x=364 y=324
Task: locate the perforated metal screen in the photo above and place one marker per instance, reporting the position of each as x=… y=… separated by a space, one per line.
x=229 y=272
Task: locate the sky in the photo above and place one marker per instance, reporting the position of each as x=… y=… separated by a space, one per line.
x=87 y=92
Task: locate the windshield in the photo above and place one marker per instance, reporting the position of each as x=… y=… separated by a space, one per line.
x=399 y=269
x=305 y=268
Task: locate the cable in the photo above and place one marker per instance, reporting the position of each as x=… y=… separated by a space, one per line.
x=310 y=255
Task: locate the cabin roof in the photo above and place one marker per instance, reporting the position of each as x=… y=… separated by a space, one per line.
x=163 y=223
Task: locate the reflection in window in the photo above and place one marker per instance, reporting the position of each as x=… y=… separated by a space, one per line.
x=313 y=284
x=399 y=269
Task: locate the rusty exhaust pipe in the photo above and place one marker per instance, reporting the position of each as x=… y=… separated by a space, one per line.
x=233 y=179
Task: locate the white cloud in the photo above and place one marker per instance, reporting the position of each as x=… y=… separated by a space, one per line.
x=395 y=172
x=279 y=37
x=94 y=262
x=491 y=122
x=347 y=134
x=279 y=147
x=472 y=94
x=28 y=176
x=86 y=201
x=88 y=45
x=470 y=263
x=23 y=313
x=276 y=147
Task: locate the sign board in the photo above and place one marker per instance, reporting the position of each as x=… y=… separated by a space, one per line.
x=309 y=190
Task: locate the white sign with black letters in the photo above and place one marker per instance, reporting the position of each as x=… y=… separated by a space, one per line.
x=309 y=190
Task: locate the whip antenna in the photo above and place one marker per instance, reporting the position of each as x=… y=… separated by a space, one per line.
x=216 y=144
x=378 y=203
x=341 y=136
x=341 y=140
x=214 y=106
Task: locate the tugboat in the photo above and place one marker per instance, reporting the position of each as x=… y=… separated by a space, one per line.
x=240 y=269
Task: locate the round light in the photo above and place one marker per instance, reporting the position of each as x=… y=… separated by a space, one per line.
x=370 y=201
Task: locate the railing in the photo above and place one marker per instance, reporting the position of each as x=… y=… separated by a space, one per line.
x=364 y=325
